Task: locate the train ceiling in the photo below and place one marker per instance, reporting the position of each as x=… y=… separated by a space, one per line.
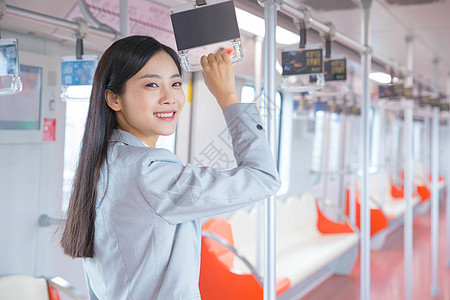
x=391 y=22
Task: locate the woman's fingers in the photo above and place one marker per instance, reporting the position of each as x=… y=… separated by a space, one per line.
x=226 y=58
x=211 y=58
x=219 y=78
x=204 y=62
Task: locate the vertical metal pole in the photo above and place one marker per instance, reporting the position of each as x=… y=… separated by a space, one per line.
x=342 y=163
x=382 y=154
x=124 y=18
x=258 y=65
x=365 y=208
x=408 y=216
x=270 y=17
x=435 y=203
x=408 y=164
x=435 y=190
x=353 y=171
x=352 y=210
x=447 y=212
x=326 y=153
x=427 y=147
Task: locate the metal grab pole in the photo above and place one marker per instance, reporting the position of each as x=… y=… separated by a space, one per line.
x=382 y=152
x=124 y=20
x=447 y=212
x=270 y=17
x=435 y=202
x=365 y=207
x=258 y=98
x=408 y=164
x=435 y=189
x=408 y=216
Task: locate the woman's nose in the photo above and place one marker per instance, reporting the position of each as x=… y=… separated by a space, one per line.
x=167 y=96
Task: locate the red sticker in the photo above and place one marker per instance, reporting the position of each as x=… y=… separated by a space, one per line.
x=49 y=130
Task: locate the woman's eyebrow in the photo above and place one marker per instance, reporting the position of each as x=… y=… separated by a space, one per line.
x=157 y=76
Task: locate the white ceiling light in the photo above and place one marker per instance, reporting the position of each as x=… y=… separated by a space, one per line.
x=255 y=25
x=380 y=77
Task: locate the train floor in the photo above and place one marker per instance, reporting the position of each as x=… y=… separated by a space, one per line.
x=387 y=268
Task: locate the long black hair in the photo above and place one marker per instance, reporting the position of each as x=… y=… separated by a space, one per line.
x=121 y=61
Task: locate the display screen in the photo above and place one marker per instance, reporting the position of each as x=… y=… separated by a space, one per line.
x=8 y=60
x=300 y=62
x=391 y=91
x=205 y=25
x=21 y=111
x=78 y=72
x=335 y=69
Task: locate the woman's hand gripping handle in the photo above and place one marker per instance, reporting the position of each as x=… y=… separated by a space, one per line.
x=219 y=78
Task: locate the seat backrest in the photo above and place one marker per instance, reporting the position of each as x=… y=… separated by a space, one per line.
x=222 y=228
x=22 y=287
x=297 y=213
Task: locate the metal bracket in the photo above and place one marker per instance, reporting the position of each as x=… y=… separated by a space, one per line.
x=332 y=32
x=200 y=2
x=368 y=50
x=366 y=4
x=329 y=36
x=306 y=19
x=278 y=3
x=83 y=28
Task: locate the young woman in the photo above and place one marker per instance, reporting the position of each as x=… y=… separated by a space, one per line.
x=134 y=208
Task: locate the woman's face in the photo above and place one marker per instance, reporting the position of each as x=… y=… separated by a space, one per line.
x=152 y=101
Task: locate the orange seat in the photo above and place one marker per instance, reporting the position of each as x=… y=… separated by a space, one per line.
x=217 y=279
x=396 y=192
x=326 y=226
x=378 y=220
x=424 y=192
x=53 y=293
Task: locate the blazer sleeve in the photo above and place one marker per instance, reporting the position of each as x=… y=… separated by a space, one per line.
x=180 y=193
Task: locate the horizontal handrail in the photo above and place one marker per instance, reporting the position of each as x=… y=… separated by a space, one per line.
x=233 y=250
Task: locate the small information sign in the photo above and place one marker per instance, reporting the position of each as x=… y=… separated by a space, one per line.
x=391 y=91
x=301 y=62
x=335 y=69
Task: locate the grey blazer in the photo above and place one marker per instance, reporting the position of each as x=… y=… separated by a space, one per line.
x=147 y=233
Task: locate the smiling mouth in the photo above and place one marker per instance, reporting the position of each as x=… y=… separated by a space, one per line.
x=165 y=116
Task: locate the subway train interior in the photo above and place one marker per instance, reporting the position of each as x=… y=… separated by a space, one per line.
x=354 y=97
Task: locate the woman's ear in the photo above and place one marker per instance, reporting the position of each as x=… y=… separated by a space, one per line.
x=113 y=100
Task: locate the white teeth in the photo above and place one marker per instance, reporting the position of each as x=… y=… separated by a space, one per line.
x=164 y=115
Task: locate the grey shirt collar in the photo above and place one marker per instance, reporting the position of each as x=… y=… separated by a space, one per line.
x=126 y=138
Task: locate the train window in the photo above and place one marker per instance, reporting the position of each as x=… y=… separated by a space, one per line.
x=328 y=144
x=317 y=153
x=76 y=113
x=248 y=96
x=375 y=135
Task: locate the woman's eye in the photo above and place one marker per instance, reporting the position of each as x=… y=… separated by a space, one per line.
x=177 y=84
x=151 y=85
